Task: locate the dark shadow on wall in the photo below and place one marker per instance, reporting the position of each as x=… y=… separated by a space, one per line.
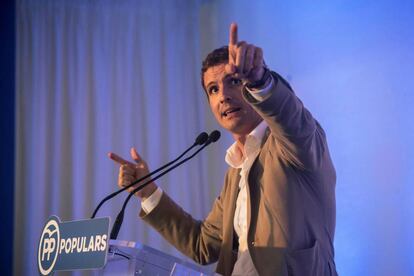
x=7 y=137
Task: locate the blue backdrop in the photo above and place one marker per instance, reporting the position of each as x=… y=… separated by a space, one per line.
x=351 y=62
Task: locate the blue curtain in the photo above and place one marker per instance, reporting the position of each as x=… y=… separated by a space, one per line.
x=94 y=77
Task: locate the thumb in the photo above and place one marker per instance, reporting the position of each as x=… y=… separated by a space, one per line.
x=134 y=154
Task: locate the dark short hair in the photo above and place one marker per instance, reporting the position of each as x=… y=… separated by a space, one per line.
x=216 y=57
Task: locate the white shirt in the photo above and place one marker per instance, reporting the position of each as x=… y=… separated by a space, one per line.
x=244 y=161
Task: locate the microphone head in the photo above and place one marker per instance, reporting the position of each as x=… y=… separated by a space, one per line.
x=214 y=136
x=201 y=138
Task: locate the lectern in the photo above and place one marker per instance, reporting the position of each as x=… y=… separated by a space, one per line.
x=84 y=245
x=134 y=258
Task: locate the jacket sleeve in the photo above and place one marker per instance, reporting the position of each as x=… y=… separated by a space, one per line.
x=199 y=240
x=301 y=140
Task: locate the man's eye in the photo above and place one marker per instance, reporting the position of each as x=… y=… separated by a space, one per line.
x=235 y=81
x=212 y=90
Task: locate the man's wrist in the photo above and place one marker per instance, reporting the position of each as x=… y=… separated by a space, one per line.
x=147 y=191
x=152 y=201
x=260 y=83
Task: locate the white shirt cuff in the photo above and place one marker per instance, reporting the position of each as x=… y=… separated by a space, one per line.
x=262 y=94
x=152 y=201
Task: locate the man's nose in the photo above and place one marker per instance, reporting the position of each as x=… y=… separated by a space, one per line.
x=225 y=95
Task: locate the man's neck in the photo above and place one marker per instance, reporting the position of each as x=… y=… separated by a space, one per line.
x=240 y=140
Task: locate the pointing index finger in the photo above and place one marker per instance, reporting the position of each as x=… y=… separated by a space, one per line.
x=233 y=34
x=118 y=159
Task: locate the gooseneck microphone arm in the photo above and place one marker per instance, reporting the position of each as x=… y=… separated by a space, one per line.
x=213 y=137
x=201 y=139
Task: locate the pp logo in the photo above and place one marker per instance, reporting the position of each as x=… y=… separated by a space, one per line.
x=48 y=246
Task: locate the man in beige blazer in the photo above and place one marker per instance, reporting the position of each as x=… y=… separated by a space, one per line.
x=276 y=212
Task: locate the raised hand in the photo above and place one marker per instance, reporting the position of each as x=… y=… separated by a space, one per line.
x=245 y=60
x=129 y=172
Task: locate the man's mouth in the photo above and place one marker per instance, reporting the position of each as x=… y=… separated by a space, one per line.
x=229 y=111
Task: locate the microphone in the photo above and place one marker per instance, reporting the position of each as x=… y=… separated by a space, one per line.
x=200 y=140
x=213 y=137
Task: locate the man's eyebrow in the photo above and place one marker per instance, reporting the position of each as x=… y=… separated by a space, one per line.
x=208 y=84
x=226 y=77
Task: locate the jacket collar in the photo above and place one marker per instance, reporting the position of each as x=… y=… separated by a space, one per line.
x=235 y=158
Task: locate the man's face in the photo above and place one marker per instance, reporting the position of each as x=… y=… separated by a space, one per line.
x=232 y=112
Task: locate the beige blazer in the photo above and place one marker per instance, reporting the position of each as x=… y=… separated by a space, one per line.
x=291 y=206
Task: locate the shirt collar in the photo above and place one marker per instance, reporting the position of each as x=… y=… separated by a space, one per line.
x=234 y=157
